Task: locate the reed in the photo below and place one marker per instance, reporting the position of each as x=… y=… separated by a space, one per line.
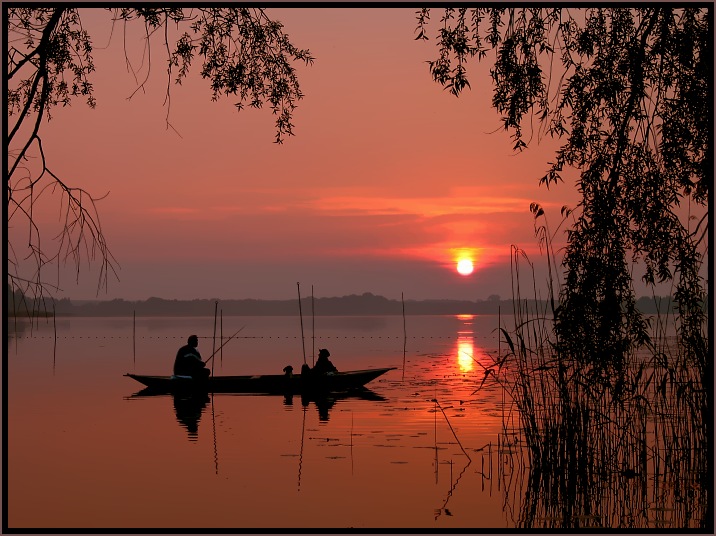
x=134 y=338
x=216 y=312
x=613 y=447
x=54 y=329
x=405 y=335
x=454 y=434
x=300 y=313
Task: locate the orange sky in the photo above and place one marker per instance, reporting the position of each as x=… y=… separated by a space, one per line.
x=387 y=176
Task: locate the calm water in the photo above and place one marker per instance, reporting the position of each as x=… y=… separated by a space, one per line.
x=418 y=451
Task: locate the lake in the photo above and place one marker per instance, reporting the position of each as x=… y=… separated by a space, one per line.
x=419 y=450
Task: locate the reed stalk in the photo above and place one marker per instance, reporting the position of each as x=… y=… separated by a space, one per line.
x=621 y=447
x=54 y=328
x=134 y=338
x=300 y=313
x=313 y=330
x=405 y=334
x=216 y=311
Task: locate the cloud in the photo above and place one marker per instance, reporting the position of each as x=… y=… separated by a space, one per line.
x=174 y=211
x=425 y=206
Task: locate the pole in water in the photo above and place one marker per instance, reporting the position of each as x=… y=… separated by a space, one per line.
x=300 y=312
x=221 y=336
x=405 y=333
x=134 y=338
x=54 y=324
x=313 y=330
x=216 y=310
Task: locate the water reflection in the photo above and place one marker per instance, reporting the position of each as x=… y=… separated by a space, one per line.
x=188 y=407
x=465 y=348
x=325 y=402
x=465 y=353
x=404 y=448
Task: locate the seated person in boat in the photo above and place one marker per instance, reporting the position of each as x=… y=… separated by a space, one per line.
x=188 y=361
x=323 y=364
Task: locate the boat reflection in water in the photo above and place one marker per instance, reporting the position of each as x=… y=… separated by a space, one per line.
x=189 y=406
x=325 y=401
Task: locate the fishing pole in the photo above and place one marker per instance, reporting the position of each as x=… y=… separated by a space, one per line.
x=220 y=347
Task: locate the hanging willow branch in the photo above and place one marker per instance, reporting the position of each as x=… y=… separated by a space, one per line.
x=245 y=54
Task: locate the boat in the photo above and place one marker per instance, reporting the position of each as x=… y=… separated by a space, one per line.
x=358 y=393
x=265 y=383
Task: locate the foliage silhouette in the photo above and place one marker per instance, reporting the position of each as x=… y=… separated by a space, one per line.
x=244 y=53
x=631 y=100
x=628 y=91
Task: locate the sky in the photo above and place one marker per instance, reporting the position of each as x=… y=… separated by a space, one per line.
x=387 y=183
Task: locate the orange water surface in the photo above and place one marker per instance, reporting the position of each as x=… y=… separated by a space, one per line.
x=87 y=450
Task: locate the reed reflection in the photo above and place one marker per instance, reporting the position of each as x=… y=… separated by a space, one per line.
x=606 y=446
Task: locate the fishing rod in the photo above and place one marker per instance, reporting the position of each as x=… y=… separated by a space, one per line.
x=220 y=347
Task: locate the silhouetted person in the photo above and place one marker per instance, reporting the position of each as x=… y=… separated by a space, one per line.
x=188 y=361
x=323 y=364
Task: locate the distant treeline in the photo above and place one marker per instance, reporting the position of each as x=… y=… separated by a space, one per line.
x=20 y=305
x=352 y=305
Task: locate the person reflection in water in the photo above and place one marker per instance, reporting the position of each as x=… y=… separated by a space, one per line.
x=188 y=409
x=323 y=364
x=188 y=361
x=323 y=405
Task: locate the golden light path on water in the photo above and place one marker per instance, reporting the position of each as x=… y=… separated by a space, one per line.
x=465 y=347
x=420 y=434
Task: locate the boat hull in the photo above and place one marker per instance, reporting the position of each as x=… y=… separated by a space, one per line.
x=264 y=384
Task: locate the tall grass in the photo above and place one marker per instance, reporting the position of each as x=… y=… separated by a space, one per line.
x=623 y=447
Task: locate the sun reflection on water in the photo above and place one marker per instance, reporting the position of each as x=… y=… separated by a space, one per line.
x=465 y=349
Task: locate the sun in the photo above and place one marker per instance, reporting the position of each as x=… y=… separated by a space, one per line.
x=465 y=267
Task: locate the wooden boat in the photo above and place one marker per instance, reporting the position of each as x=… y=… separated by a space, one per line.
x=358 y=393
x=267 y=383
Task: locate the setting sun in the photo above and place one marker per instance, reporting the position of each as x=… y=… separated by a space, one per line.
x=465 y=267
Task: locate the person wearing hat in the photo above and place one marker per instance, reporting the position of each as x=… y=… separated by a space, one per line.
x=323 y=364
x=188 y=361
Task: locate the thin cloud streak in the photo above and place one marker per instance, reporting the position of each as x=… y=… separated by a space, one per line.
x=421 y=206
